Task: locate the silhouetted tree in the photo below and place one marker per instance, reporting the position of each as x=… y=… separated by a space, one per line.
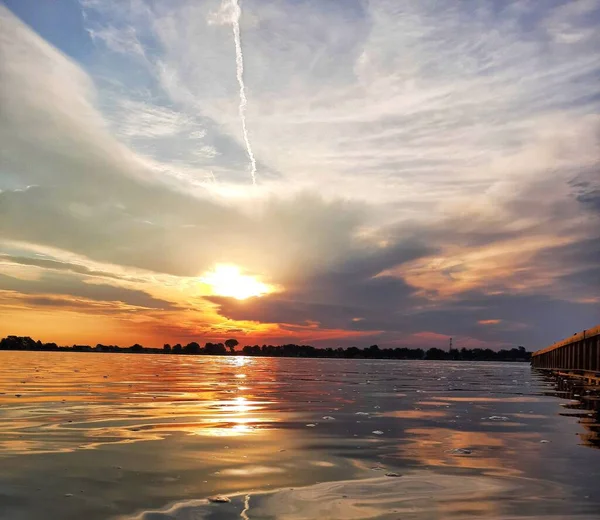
x=215 y=349
x=352 y=352
x=436 y=353
x=231 y=344
x=192 y=348
x=289 y=350
x=372 y=352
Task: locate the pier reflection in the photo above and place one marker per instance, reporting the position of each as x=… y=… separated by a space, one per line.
x=584 y=405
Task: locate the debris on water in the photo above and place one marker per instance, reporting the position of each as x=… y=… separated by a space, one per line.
x=311 y=425
x=497 y=418
x=377 y=432
x=461 y=451
x=377 y=468
x=219 y=499
x=328 y=418
x=392 y=474
x=361 y=413
x=544 y=441
x=17 y=395
x=67 y=495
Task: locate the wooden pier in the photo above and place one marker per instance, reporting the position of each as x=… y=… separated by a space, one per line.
x=577 y=356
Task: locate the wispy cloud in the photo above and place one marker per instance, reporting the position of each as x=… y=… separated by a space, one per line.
x=124 y=41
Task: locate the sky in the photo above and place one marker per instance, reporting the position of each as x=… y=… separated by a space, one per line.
x=323 y=172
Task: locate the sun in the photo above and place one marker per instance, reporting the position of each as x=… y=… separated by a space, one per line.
x=228 y=280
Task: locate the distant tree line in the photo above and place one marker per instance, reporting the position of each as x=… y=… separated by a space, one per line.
x=296 y=351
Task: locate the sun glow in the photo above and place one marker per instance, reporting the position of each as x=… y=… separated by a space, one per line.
x=227 y=280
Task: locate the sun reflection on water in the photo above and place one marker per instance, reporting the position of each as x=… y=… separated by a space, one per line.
x=237 y=416
x=109 y=400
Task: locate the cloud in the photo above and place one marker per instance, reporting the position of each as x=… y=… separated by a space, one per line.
x=97 y=198
x=143 y=120
x=31 y=303
x=489 y=322
x=423 y=166
x=398 y=92
x=123 y=40
x=60 y=284
x=47 y=263
x=397 y=313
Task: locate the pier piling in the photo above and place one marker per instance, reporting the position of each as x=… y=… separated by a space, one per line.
x=577 y=356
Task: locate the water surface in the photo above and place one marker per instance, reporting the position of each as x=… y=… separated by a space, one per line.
x=102 y=436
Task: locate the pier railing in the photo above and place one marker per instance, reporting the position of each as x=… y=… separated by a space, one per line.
x=580 y=352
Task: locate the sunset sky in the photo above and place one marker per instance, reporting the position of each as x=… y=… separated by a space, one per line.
x=423 y=170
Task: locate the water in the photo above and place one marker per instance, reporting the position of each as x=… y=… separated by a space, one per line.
x=100 y=436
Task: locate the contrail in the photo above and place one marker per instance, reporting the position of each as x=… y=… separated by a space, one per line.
x=239 y=66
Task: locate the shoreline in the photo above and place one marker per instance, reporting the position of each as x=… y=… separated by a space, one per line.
x=25 y=343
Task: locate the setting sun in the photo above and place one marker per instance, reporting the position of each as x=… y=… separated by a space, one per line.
x=227 y=280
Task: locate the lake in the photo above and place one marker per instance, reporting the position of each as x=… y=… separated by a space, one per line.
x=152 y=437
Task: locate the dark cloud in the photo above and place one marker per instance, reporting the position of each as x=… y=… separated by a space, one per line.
x=580 y=263
x=586 y=188
x=53 y=284
x=291 y=311
x=67 y=302
x=531 y=320
x=353 y=297
x=47 y=263
x=353 y=288
x=590 y=199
